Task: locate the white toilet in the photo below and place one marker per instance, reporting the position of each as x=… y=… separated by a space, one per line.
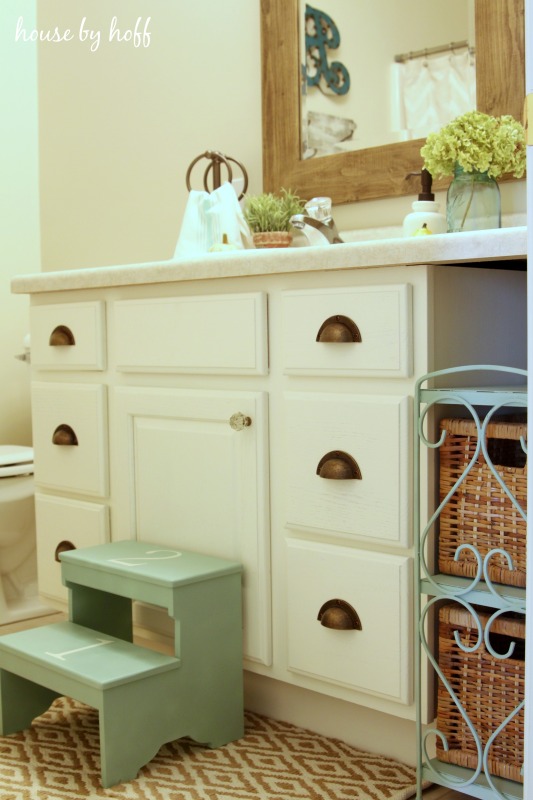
x=18 y=560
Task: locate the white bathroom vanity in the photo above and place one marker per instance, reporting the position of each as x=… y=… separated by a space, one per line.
x=208 y=404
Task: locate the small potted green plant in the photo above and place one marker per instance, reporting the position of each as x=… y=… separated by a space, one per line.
x=269 y=217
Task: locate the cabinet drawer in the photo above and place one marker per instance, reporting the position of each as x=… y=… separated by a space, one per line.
x=378 y=317
x=68 y=336
x=324 y=433
x=217 y=334
x=65 y=522
x=375 y=659
x=70 y=437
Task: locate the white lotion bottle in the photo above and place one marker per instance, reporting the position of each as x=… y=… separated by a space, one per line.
x=425 y=217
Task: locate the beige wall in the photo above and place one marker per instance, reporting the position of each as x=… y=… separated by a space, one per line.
x=19 y=213
x=119 y=126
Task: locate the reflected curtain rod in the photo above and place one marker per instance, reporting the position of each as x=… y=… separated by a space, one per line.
x=431 y=51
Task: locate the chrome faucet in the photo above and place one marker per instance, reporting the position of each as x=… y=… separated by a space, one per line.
x=317 y=225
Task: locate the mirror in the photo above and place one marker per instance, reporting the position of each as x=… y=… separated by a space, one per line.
x=383 y=171
x=424 y=72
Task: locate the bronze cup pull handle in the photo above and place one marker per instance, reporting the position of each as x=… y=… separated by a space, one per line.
x=64 y=436
x=62 y=547
x=338 y=466
x=340 y=616
x=339 y=329
x=61 y=337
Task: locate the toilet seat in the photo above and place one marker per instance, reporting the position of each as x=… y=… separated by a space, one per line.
x=15 y=460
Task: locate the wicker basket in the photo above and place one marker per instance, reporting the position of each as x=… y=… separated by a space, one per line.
x=479 y=512
x=488 y=689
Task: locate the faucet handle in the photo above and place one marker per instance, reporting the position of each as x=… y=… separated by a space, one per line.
x=319 y=208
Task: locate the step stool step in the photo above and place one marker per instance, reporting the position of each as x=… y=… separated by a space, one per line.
x=134 y=690
x=68 y=649
x=143 y=571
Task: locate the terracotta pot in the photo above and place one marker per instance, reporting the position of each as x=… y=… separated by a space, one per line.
x=272 y=239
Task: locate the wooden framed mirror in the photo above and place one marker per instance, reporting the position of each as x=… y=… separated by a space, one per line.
x=376 y=171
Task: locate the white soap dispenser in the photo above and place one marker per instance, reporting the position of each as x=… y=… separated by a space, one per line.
x=425 y=217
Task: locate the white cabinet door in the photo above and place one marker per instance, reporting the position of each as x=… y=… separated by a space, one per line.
x=184 y=477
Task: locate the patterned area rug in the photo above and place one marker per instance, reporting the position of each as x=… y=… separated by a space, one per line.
x=58 y=759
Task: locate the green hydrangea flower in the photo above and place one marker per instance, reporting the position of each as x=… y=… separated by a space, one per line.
x=477 y=142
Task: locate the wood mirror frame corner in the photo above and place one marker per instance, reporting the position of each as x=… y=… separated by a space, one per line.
x=377 y=171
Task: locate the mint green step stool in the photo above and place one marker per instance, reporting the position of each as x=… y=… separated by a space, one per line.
x=144 y=698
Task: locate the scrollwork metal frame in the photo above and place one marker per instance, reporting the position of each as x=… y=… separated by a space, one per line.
x=499 y=599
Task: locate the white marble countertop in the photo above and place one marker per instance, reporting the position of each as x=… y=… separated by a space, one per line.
x=447 y=248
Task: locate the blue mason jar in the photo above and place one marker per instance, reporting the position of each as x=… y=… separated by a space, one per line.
x=473 y=202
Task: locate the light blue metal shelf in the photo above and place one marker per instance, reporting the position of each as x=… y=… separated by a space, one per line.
x=456 y=777
x=516 y=396
x=434 y=588
x=450 y=587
